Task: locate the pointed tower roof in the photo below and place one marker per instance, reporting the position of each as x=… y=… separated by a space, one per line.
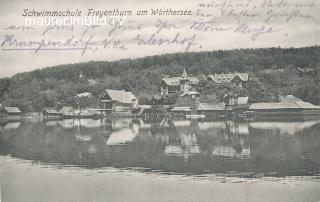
x=80 y=75
x=184 y=74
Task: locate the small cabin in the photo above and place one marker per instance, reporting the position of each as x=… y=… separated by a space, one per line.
x=10 y=111
x=51 y=112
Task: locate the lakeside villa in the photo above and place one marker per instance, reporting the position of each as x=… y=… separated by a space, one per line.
x=178 y=84
x=235 y=78
x=117 y=101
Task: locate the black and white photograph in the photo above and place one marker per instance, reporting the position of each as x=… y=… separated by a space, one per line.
x=159 y=101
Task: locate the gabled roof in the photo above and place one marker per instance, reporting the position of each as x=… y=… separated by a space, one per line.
x=12 y=109
x=289 y=102
x=175 y=81
x=291 y=98
x=184 y=74
x=211 y=106
x=307 y=105
x=120 y=96
x=227 y=78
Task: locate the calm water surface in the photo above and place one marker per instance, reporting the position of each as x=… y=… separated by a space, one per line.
x=166 y=160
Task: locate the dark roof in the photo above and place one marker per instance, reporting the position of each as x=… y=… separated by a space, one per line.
x=227 y=78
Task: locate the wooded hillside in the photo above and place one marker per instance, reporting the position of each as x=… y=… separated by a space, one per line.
x=273 y=71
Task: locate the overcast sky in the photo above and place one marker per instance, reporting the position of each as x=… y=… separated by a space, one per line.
x=302 y=29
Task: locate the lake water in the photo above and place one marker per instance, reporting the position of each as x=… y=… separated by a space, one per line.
x=167 y=160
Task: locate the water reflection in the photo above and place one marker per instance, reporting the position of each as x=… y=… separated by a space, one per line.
x=248 y=148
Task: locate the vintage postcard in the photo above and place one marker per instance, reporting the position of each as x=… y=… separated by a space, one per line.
x=159 y=101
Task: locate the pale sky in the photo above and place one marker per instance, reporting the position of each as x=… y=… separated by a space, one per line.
x=300 y=30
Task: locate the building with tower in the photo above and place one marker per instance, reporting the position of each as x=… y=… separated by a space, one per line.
x=181 y=85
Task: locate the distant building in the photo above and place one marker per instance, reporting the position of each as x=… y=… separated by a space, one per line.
x=66 y=110
x=236 y=100
x=10 y=112
x=211 y=109
x=181 y=84
x=82 y=78
x=85 y=94
x=181 y=111
x=235 y=78
x=230 y=152
x=117 y=101
x=192 y=94
x=289 y=105
x=51 y=112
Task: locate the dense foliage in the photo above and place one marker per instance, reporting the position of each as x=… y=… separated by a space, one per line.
x=274 y=72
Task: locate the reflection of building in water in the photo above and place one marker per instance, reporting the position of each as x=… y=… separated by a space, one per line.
x=227 y=139
x=11 y=125
x=284 y=128
x=232 y=152
x=188 y=146
x=122 y=131
x=179 y=138
x=120 y=123
x=185 y=138
x=165 y=145
x=82 y=137
x=72 y=123
x=122 y=136
x=237 y=127
x=232 y=141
